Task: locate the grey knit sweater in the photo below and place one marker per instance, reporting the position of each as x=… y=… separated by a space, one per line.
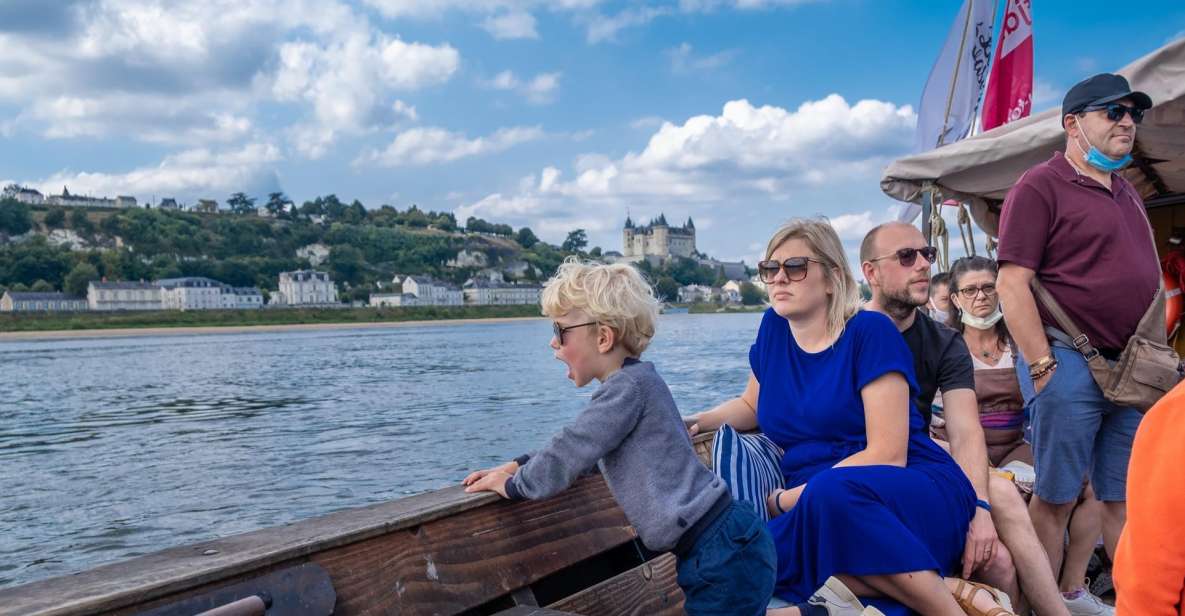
x=632 y=430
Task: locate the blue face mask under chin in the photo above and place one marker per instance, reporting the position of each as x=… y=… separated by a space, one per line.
x=1101 y=161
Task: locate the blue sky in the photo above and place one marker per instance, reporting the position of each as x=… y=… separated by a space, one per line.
x=555 y=114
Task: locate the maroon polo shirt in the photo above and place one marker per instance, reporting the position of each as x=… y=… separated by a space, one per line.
x=1090 y=246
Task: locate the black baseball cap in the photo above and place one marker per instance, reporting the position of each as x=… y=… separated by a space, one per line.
x=1100 y=90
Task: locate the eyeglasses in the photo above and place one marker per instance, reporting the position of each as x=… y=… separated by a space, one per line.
x=989 y=291
x=559 y=330
x=795 y=268
x=908 y=256
x=1115 y=111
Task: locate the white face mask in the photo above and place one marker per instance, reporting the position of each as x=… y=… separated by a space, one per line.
x=971 y=320
x=937 y=313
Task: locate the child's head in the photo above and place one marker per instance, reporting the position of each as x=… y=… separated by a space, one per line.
x=614 y=296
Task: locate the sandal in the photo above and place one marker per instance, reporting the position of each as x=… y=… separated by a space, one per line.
x=964 y=594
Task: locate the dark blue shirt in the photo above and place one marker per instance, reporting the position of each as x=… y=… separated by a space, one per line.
x=810 y=403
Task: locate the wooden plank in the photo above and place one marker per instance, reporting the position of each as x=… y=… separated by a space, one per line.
x=453 y=564
x=523 y=610
x=702 y=443
x=342 y=542
x=647 y=590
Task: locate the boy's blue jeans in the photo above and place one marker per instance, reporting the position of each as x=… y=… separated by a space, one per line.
x=730 y=571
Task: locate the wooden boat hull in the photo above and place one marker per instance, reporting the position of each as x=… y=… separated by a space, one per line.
x=444 y=552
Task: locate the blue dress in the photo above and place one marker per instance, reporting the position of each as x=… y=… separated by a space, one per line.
x=862 y=520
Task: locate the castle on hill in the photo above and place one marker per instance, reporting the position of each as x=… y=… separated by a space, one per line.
x=657 y=239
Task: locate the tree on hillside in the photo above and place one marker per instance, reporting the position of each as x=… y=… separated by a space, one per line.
x=526 y=238
x=576 y=241
x=354 y=213
x=750 y=294
x=277 y=204
x=80 y=222
x=55 y=218
x=42 y=286
x=240 y=203
x=667 y=289
x=78 y=278
x=15 y=217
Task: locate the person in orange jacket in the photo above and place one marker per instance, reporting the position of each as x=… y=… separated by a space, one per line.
x=1149 y=568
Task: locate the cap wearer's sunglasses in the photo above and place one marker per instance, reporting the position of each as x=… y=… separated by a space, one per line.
x=1115 y=111
x=908 y=256
x=559 y=330
x=795 y=268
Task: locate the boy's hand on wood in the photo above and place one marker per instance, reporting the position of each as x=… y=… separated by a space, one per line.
x=509 y=468
x=491 y=480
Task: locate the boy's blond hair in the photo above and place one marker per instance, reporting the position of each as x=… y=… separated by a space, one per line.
x=615 y=295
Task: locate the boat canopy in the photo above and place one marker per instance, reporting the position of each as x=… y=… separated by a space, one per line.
x=980 y=170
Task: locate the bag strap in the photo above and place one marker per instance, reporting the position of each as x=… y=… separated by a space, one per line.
x=1079 y=340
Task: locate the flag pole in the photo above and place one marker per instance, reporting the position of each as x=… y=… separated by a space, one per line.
x=954 y=80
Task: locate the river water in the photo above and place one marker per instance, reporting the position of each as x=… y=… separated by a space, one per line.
x=111 y=448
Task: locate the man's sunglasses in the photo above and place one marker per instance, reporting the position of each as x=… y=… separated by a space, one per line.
x=559 y=330
x=1115 y=111
x=794 y=267
x=908 y=256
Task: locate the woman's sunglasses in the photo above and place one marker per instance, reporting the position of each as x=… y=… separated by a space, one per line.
x=989 y=291
x=795 y=268
x=908 y=256
x=1115 y=112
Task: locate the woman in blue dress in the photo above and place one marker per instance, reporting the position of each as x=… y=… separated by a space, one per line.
x=870 y=498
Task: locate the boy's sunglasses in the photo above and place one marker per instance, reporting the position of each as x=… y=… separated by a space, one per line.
x=795 y=268
x=908 y=256
x=559 y=330
x=1115 y=112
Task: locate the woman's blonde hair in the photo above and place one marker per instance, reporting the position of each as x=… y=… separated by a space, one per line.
x=821 y=238
x=615 y=295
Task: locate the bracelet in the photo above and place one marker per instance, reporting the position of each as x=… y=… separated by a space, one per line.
x=982 y=504
x=1044 y=370
x=778 y=501
x=1041 y=364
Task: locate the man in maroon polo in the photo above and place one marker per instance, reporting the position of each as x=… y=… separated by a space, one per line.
x=1080 y=228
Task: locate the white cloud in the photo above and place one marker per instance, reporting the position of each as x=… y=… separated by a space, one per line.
x=1045 y=94
x=605 y=28
x=195 y=72
x=853 y=226
x=511 y=25
x=428 y=145
x=187 y=175
x=540 y=89
x=348 y=82
x=683 y=59
x=746 y=153
x=647 y=123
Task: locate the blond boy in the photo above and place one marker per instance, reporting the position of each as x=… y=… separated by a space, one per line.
x=603 y=318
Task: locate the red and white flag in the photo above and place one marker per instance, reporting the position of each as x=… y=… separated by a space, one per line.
x=1009 y=94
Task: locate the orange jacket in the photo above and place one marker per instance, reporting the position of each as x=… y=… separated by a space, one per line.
x=1149 y=568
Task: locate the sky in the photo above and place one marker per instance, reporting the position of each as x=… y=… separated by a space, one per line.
x=556 y=115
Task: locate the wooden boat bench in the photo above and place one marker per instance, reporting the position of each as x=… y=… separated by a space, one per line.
x=444 y=552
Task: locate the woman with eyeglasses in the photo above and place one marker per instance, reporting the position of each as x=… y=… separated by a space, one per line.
x=869 y=505
x=975 y=313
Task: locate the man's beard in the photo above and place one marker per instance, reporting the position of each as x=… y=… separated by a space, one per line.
x=898 y=304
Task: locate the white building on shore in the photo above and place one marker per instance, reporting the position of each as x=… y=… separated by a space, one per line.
x=242 y=298
x=19 y=301
x=123 y=295
x=431 y=292
x=191 y=293
x=485 y=292
x=305 y=288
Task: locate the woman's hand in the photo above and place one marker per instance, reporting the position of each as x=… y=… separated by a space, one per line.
x=1040 y=383
x=509 y=468
x=691 y=422
x=782 y=500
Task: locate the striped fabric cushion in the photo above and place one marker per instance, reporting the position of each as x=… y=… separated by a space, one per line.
x=749 y=464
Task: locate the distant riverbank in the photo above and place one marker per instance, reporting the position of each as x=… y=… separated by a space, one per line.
x=24 y=326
